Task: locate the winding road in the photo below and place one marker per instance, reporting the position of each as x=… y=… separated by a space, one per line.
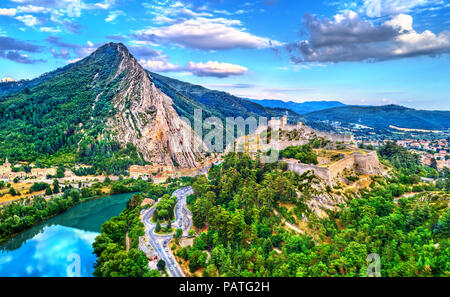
x=160 y=243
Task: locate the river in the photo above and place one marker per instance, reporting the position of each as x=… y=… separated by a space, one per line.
x=61 y=246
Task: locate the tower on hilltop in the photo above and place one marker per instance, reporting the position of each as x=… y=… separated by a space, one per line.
x=284 y=121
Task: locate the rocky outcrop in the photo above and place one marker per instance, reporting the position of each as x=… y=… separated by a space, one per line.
x=145 y=117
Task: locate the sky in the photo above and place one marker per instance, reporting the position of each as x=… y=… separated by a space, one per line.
x=360 y=52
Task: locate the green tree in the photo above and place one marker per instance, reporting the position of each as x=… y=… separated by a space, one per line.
x=161 y=265
x=56 y=188
x=12 y=192
x=75 y=195
x=48 y=191
x=158 y=227
x=178 y=233
x=60 y=172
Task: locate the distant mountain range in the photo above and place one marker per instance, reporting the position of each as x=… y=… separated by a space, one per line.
x=300 y=108
x=379 y=117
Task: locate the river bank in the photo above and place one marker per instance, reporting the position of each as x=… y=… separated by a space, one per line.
x=45 y=249
x=82 y=200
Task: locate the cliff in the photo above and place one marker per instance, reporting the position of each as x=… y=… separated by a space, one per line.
x=145 y=117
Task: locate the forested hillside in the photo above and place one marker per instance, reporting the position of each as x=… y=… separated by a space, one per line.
x=244 y=237
x=49 y=122
x=44 y=119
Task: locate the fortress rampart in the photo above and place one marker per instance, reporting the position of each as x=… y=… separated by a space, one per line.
x=366 y=163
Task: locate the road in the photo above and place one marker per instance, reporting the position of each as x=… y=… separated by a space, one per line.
x=160 y=243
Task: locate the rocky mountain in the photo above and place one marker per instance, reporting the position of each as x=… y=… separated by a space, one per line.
x=300 y=108
x=382 y=117
x=96 y=106
x=146 y=117
x=107 y=111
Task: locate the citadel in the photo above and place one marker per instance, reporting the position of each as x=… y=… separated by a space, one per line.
x=339 y=157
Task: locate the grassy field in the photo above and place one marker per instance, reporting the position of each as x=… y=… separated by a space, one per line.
x=22 y=188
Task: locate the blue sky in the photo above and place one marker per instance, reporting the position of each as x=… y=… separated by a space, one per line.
x=369 y=52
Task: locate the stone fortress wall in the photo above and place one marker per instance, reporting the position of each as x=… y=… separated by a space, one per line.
x=299 y=168
x=366 y=163
x=361 y=161
x=345 y=138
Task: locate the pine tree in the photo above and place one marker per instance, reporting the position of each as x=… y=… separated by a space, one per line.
x=12 y=192
x=48 y=191
x=55 y=186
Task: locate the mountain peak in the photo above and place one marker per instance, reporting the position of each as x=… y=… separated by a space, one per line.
x=111 y=49
x=120 y=47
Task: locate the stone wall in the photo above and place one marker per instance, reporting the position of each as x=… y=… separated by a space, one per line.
x=362 y=163
x=338 y=167
x=328 y=136
x=299 y=168
x=367 y=164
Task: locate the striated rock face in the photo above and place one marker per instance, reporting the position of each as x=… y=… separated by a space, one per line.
x=145 y=117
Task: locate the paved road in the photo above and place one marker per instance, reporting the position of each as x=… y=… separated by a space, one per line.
x=183 y=220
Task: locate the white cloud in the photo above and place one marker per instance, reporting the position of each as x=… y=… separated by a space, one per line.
x=401 y=22
x=383 y=8
x=215 y=69
x=174 y=11
x=33 y=9
x=59 y=8
x=107 y=4
x=113 y=15
x=229 y=13
x=225 y=12
x=49 y=29
x=206 y=34
x=159 y=66
x=393 y=7
x=208 y=69
x=29 y=20
x=8 y=11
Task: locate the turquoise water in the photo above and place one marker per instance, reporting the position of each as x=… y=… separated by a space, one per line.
x=61 y=246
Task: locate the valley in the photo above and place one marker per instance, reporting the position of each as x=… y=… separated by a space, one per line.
x=218 y=185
